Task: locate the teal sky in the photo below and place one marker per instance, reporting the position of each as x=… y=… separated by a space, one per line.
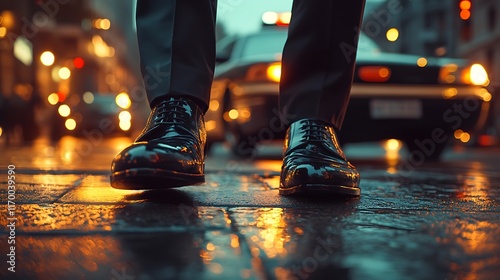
x=244 y=16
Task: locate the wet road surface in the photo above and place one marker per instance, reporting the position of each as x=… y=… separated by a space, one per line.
x=431 y=221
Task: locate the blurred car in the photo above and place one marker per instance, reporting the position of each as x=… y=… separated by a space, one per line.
x=80 y=114
x=421 y=101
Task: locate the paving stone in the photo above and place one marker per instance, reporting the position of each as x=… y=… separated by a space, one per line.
x=39 y=188
x=84 y=219
x=344 y=244
x=148 y=256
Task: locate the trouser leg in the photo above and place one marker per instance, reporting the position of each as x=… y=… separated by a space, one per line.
x=318 y=60
x=177 y=47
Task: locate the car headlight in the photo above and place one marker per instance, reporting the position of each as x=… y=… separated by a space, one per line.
x=478 y=75
x=473 y=75
x=264 y=72
x=274 y=72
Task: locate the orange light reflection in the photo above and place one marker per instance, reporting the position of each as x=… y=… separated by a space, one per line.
x=272 y=235
x=476 y=239
x=269 y=165
x=476 y=187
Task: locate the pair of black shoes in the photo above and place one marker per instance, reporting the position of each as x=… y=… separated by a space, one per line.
x=170 y=152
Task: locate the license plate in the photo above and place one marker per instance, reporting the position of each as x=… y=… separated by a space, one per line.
x=395 y=109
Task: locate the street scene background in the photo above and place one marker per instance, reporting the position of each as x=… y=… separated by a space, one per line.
x=419 y=216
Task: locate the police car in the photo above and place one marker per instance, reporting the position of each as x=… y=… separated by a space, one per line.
x=421 y=101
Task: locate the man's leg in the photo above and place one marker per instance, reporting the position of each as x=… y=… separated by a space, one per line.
x=177 y=48
x=317 y=68
x=318 y=65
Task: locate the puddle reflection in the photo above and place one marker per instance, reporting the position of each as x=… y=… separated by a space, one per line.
x=474 y=247
x=475 y=187
x=69 y=153
x=272 y=235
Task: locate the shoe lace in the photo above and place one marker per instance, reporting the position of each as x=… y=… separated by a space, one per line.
x=315 y=143
x=314 y=132
x=171 y=112
x=172 y=115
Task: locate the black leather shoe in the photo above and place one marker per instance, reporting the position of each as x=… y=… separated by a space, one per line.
x=313 y=162
x=168 y=153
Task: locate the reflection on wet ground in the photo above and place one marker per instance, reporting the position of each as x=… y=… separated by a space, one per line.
x=435 y=221
x=69 y=153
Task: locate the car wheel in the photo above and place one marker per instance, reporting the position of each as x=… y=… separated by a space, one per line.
x=420 y=152
x=241 y=145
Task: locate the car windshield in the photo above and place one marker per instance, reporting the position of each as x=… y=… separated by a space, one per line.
x=264 y=44
x=366 y=44
x=271 y=43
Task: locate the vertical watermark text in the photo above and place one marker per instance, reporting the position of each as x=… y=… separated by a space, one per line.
x=11 y=217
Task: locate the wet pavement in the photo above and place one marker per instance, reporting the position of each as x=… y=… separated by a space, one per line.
x=431 y=221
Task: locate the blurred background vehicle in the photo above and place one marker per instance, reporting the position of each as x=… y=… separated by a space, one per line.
x=72 y=47
x=422 y=101
x=79 y=115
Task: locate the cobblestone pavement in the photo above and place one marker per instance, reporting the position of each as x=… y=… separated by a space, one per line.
x=433 y=221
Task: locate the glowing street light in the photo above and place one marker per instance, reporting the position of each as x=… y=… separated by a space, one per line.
x=3 y=32
x=47 y=58
x=64 y=110
x=64 y=73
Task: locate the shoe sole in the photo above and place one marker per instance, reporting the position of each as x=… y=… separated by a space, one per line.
x=319 y=189
x=151 y=179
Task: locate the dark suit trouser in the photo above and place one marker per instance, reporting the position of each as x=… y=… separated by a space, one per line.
x=177 y=49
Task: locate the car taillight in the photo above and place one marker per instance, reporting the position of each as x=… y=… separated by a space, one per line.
x=374 y=74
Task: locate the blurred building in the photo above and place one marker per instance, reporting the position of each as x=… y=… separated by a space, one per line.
x=482 y=42
x=424 y=27
x=65 y=47
x=453 y=28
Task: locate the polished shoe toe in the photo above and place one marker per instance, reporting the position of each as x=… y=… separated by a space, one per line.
x=314 y=164
x=152 y=165
x=310 y=179
x=169 y=152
